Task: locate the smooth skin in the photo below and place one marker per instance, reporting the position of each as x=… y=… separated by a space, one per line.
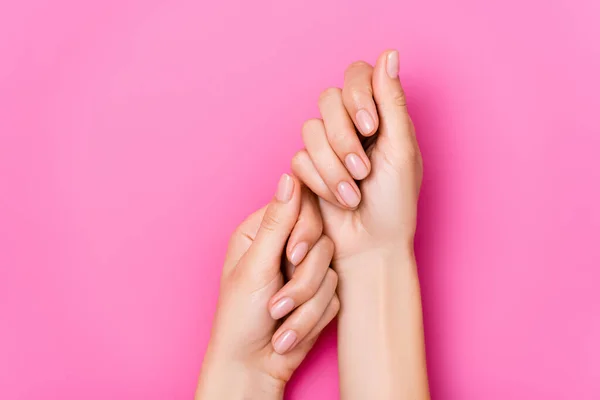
x=368 y=179
x=363 y=161
x=264 y=327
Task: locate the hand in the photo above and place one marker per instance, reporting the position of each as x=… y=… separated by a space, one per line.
x=253 y=352
x=369 y=184
x=370 y=180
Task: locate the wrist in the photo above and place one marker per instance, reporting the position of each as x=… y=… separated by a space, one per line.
x=237 y=381
x=381 y=260
x=380 y=325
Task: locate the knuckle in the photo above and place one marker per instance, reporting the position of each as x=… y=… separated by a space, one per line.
x=358 y=95
x=236 y=235
x=399 y=98
x=318 y=224
x=310 y=315
x=311 y=127
x=299 y=157
x=305 y=290
x=298 y=160
x=333 y=277
x=360 y=64
x=337 y=138
x=335 y=304
x=327 y=244
x=330 y=94
x=237 y=232
x=310 y=225
x=270 y=221
x=240 y=233
x=310 y=342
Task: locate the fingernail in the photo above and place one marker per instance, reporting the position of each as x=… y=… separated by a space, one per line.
x=356 y=166
x=298 y=253
x=348 y=194
x=365 y=122
x=285 y=188
x=282 y=308
x=285 y=341
x=392 y=64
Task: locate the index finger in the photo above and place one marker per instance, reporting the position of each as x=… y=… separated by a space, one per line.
x=357 y=95
x=308 y=228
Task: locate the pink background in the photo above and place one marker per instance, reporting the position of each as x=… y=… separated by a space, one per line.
x=135 y=135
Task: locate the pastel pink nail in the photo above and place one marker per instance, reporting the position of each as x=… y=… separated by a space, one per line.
x=365 y=122
x=356 y=166
x=392 y=64
x=285 y=341
x=282 y=308
x=285 y=188
x=298 y=253
x=348 y=194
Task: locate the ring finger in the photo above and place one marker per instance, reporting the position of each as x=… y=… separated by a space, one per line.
x=302 y=321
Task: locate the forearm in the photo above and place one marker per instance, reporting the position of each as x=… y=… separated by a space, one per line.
x=221 y=380
x=380 y=332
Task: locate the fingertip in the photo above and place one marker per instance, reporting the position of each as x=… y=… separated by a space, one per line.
x=388 y=63
x=392 y=64
x=282 y=307
x=387 y=88
x=358 y=97
x=359 y=167
x=349 y=195
x=278 y=220
x=366 y=121
x=298 y=252
x=285 y=342
x=304 y=168
x=308 y=228
x=286 y=188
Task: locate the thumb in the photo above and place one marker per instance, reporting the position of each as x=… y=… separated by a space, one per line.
x=265 y=254
x=395 y=124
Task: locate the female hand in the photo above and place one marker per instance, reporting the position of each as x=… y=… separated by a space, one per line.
x=253 y=349
x=377 y=213
x=372 y=223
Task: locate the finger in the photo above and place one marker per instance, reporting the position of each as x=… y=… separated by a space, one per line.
x=358 y=97
x=304 y=169
x=330 y=168
x=341 y=133
x=330 y=313
x=391 y=101
x=275 y=227
x=333 y=308
x=306 y=280
x=242 y=238
x=303 y=320
x=307 y=231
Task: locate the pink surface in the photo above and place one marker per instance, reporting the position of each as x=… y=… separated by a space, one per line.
x=134 y=136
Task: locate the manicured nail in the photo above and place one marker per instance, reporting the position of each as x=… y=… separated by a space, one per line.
x=282 y=308
x=348 y=194
x=365 y=122
x=298 y=253
x=285 y=188
x=356 y=166
x=392 y=64
x=285 y=341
